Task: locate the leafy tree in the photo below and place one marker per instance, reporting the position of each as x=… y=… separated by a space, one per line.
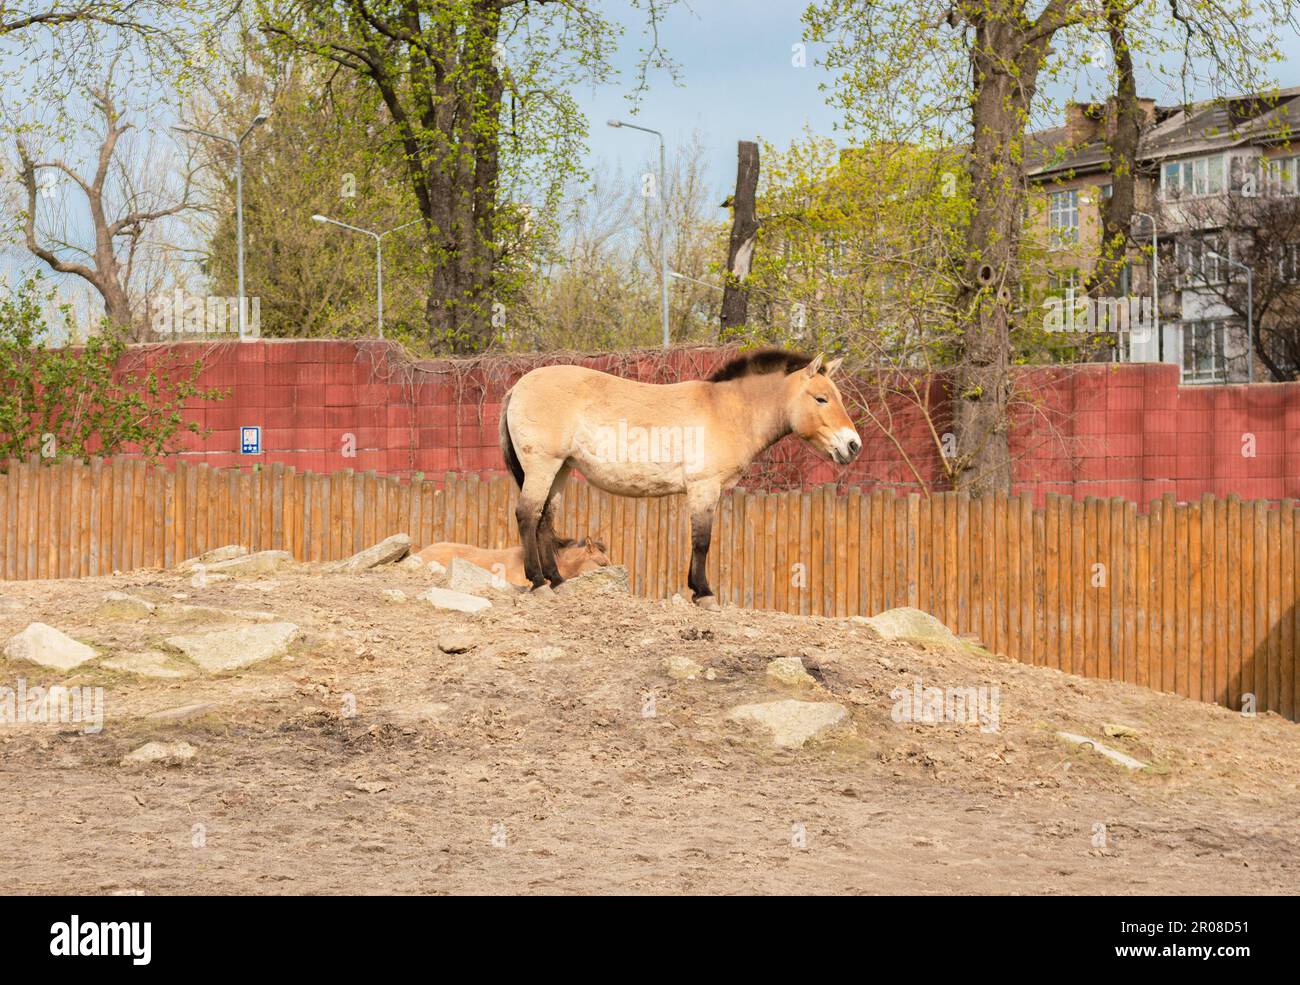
x=967 y=73
x=73 y=402
x=321 y=151
x=477 y=93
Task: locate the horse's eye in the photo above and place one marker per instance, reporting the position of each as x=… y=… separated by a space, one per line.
x=821 y=400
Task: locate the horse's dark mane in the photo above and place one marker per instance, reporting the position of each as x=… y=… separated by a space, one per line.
x=760 y=362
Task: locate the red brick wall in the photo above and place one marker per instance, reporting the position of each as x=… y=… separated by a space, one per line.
x=1096 y=430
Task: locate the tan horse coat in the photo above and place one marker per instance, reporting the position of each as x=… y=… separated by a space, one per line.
x=645 y=439
x=573 y=559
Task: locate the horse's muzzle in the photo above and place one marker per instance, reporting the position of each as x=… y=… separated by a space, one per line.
x=845 y=446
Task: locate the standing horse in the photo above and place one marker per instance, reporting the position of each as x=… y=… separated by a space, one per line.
x=647 y=439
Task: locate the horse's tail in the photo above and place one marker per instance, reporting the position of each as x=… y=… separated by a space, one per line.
x=508 y=446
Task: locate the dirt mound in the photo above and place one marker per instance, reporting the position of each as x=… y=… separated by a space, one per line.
x=560 y=747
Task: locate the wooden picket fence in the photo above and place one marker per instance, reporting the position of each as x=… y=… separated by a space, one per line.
x=1198 y=599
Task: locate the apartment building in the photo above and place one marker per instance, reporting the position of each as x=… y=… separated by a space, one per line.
x=1218 y=193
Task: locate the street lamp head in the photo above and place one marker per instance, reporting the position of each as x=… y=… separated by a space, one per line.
x=259 y=119
x=614 y=123
x=319 y=218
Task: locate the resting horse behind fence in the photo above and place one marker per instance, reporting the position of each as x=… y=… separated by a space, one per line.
x=647 y=439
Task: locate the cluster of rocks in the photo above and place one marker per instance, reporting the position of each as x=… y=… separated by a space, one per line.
x=247 y=638
x=250 y=638
x=790 y=723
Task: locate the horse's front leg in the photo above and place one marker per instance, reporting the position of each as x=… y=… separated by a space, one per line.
x=702 y=502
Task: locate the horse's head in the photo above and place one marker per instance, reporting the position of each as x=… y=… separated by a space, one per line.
x=817 y=412
x=580 y=557
x=594 y=553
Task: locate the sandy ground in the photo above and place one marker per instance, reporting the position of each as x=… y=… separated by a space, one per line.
x=498 y=771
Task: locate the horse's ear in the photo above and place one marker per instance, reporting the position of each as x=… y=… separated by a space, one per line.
x=833 y=365
x=815 y=366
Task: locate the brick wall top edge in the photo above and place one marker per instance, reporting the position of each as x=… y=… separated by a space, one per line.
x=1159 y=374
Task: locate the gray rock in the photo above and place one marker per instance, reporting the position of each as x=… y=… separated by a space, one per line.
x=149 y=663
x=455 y=643
x=680 y=667
x=791 y=723
x=208 y=558
x=906 y=623
x=160 y=754
x=212 y=613
x=234 y=649
x=465 y=576
x=385 y=552
x=394 y=595
x=789 y=670
x=445 y=598
x=48 y=647
x=119 y=605
x=261 y=563
x=1123 y=758
x=611 y=578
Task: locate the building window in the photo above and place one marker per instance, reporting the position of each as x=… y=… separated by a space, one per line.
x=1107 y=190
x=1197 y=261
x=1203 y=360
x=1063 y=217
x=1282 y=176
x=1288 y=264
x=1063 y=284
x=1192 y=178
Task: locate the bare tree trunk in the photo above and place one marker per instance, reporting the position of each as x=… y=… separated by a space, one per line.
x=110 y=274
x=744 y=233
x=1117 y=211
x=1005 y=63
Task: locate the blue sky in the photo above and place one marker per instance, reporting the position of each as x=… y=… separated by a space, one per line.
x=738 y=83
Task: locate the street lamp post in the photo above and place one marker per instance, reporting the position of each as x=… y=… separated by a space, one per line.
x=1250 y=311
x=379 y=257
x=238 y=144
x=1155 y=282
x=694 y=280
x=663 y=223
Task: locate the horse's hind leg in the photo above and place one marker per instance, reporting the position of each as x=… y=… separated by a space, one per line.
x=534 y=494
x=546 y=530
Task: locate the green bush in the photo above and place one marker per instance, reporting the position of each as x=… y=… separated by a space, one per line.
x=75 y=401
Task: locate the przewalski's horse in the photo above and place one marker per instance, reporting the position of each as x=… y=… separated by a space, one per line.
x=647 y=439
x=572 y=557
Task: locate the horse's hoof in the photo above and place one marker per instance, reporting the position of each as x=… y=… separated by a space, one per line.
x=708 y=603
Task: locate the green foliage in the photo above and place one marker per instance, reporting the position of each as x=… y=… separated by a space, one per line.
x=323 y=151
x=856 y=250
x=74 y=402
x=479 y=115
